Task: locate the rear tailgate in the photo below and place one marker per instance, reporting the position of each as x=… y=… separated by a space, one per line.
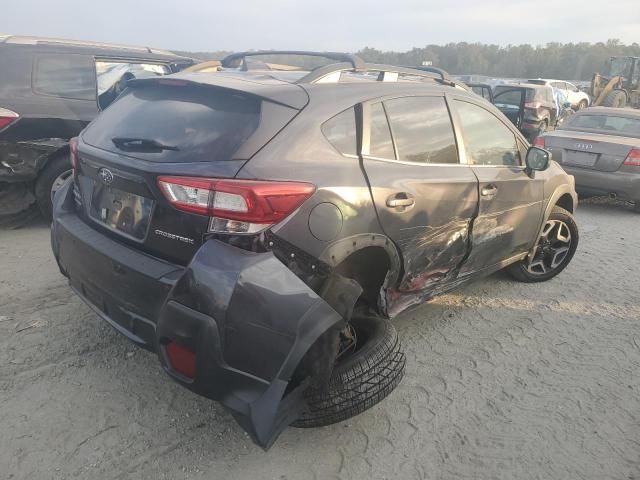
x=167 y=127
x=604 y=153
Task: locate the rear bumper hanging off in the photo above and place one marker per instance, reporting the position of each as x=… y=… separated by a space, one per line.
x=247 y=318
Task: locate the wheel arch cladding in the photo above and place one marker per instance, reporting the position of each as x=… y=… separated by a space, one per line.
x=565 y=201
x=250 y=321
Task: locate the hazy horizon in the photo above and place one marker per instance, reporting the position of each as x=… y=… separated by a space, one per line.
x=196 y=25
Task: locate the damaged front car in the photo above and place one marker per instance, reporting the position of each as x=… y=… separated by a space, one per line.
x=257 y=232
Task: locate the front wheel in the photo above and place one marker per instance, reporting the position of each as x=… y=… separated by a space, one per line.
x=553 y=251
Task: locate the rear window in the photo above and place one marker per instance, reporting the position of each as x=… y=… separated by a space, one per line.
x=611 y=124
x=514 y=93
x=196 y=124
x=341 y=132
x=67 y=76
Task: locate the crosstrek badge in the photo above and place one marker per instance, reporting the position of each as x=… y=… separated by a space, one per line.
x=173 y=236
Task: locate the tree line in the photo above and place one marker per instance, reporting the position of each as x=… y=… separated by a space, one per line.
x=568 y=61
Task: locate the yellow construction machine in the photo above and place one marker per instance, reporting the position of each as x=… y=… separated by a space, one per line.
x=621 y=87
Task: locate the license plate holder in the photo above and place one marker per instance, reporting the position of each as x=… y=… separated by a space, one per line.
x=581 y=159
x=124 y=212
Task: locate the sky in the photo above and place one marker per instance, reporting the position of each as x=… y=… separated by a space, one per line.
x=342 y=25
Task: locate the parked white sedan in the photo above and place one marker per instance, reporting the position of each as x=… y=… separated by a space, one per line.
x=578 y=99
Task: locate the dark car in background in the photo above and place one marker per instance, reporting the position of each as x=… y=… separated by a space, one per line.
x=50 y=89
x=600 y=147
x=257 y=229
x=530 y=108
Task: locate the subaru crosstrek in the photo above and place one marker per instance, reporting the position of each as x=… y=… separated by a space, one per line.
x=257 y=229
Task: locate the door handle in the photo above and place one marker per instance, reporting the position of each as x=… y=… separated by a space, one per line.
x=489 y=191
x=400 y=200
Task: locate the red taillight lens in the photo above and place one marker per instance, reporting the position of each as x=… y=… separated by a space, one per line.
x=633 y=159
x=534 y=105
x=236 y=206
x=73 y=153
x=7 y=117
x=538 y=142
x=181 y=359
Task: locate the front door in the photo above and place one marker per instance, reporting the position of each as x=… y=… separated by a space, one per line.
x=511 y=200
x=424 y=197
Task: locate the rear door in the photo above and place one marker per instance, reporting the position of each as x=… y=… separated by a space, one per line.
x=510 y=207
x=424 y=197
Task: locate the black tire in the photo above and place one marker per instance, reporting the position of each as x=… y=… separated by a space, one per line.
x=582 y=104
x=520 y=271
x=636 y=206
x=57 y=166
x=615 y=99
x=13 y=221
x=362 y=380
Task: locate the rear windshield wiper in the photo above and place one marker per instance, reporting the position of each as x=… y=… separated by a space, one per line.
x=141 y=145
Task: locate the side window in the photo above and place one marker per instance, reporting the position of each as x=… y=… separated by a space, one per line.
x=341 y=132
x=488 y=140
x=112 y=77
x=422 y=129
x=381 y=145
x=66 y=76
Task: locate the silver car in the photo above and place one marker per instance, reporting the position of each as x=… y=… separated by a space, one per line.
x=600 y=147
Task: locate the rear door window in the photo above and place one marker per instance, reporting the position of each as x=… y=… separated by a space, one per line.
x=185 y=123
x=381 y=145
x=67 y=76
x=341 y=132
x=422 y=130
x=487 y=139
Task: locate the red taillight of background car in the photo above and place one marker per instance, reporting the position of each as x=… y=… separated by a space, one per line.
x=73 y=154
x=538 y=142
x=633 y=159
x=534 y=105
x=181 y=359
x=7 y=117
x=235 y=206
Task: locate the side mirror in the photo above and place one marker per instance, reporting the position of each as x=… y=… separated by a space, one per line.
x=537 y=159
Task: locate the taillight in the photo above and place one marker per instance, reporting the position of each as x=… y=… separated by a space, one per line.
x=181 y=360
x=7 y=117
x=633 y=159
x=534 y=105
x=235 y=206
x=538 y=142
x=73 y=154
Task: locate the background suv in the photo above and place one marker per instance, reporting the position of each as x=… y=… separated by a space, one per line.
x=530 y=108
x=50 y=89
x=256 y=228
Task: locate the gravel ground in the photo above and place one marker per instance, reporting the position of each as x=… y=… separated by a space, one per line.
x=504 y=380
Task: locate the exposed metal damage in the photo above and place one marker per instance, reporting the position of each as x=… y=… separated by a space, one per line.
x=21 y=161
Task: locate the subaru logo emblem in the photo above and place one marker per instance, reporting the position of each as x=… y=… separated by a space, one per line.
x=106 y=176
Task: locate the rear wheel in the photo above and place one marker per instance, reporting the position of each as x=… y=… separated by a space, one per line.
x=615 y=99
x=51 y=178
x=583 y=104
x=553 y=252
x=369 y=366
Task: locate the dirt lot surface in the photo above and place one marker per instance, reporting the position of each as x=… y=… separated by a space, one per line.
x=504 y=380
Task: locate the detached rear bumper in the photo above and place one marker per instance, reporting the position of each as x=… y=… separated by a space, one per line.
x=247 y=317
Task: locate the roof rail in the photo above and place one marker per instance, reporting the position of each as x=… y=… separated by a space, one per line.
x=327 y=72
x=29 y=40
x=354 y=61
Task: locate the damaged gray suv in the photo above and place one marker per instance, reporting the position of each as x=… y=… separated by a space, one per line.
x=257 y=228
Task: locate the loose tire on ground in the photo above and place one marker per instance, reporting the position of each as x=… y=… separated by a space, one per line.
x=519 y=270
x=615 y=99
x=56 y=166
x=362 y=380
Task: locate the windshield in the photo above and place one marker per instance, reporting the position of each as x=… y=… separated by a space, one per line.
x=606 y=124
x=620 y=67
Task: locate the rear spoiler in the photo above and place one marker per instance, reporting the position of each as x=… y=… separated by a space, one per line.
x=283 y=93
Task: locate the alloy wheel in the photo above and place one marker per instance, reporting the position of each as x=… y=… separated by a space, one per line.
x=552 y=249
